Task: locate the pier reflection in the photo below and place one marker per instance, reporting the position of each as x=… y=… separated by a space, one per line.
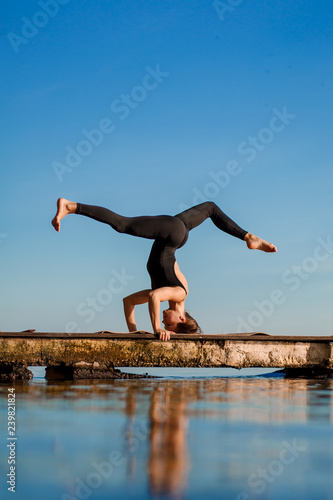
x=263 y=399
x=156 y=414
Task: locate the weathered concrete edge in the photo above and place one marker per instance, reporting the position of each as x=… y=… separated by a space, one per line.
x=147 y=353
x=143 y=335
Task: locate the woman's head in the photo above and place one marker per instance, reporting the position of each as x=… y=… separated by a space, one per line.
x=180 y=323
x=190 y=325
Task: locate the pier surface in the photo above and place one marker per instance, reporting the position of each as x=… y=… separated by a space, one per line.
x=104 y=350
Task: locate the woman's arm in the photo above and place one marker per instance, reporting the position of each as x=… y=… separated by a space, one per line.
x=154 y=299
x=176 y=294
x=129 y=305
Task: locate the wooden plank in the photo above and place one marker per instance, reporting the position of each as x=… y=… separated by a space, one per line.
x=143 y=335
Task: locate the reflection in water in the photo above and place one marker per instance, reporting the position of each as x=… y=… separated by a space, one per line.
x=257 y=399
x=168 y=461
x=156 y=416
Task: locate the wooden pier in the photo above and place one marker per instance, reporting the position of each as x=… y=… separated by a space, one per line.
x=95 y=355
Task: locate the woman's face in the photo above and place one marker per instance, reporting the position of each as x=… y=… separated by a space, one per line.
x=170 y=319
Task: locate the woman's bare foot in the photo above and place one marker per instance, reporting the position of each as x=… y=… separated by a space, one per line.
x=254 y=242
x=64 y=207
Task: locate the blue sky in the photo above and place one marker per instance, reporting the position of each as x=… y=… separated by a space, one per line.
x=195 y=101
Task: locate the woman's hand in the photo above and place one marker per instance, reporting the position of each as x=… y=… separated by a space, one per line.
x=163 y=334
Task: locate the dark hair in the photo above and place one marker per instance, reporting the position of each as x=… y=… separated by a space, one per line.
x=189 y=326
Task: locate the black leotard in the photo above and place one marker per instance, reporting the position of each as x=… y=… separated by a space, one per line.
x=169 y=233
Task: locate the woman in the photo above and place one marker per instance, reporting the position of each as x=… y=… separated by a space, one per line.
x=169 y=233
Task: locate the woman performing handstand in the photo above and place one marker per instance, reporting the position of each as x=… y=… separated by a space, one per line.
x=168 y=233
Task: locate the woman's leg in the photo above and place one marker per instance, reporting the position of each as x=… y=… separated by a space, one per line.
x=198 y=214
x=162 y=227
x=151 y=227
x=194 y=216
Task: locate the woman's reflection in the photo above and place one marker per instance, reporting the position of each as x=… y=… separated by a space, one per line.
x=168 y=460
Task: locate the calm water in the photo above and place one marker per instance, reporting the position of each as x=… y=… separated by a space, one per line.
x=240 y=435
